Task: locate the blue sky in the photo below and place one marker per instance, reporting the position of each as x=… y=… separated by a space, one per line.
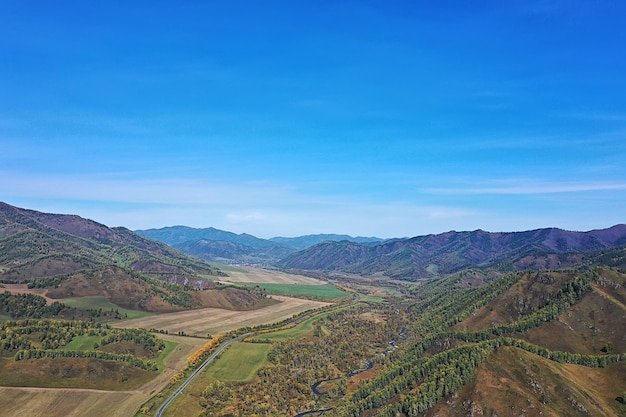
x=289 y=118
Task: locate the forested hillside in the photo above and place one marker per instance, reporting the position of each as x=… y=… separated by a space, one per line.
x=434 y=255
x=534 y=335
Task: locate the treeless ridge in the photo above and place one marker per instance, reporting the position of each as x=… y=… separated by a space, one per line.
x=214 y=320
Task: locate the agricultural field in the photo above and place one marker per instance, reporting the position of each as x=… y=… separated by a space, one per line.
x=294 y=332
x=207 y=321
x=96 y=302
x=265 y=276
x=44 y=402
x=239 y=362
x=40 y=402
x=323 y=292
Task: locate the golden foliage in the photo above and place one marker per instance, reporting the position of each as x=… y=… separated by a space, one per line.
x=198 y=354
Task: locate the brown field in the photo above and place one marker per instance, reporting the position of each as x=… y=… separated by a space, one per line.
x=40 y=402
x=43 y=402
x=23 y=289
x=214 y=320
x=267 y=276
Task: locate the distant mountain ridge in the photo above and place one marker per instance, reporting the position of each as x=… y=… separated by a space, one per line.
x=223 y=246
x=303 y=242
x=431 y=255
x=174 y=235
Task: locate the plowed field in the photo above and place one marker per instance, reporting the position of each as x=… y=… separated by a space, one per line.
x=214 y=320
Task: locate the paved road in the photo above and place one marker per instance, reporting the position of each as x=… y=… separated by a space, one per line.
x=197 y=371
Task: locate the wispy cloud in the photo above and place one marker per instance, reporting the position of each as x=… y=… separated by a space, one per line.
x=170 y=191
x=529 y=187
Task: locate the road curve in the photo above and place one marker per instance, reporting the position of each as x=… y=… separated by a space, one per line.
x=197 y=371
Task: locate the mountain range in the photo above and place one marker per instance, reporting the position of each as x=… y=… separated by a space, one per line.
x=35 y=244
x=405 y=258
x=222 y=246
x=432 y=255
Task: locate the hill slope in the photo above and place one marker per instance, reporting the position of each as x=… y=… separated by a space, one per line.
x=431 y=255
x=35 y=245
x=75 y=257
x=529 y=344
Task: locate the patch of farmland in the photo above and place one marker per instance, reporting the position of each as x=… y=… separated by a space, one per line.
x=46 y=402
x=39 y=402
x=327 y=291
x=98 y=301
x=267 y=276
x=212 y=321
x=239 y=362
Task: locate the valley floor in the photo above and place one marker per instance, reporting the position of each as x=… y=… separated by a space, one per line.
x=42 y=402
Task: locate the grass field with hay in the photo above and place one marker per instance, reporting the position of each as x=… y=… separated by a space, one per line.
x=239 y=362
x=214 y=320
x=97 y=302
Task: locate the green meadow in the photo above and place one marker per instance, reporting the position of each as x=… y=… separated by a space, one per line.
x=239 y=362
x=97 y=302
x=83 y=342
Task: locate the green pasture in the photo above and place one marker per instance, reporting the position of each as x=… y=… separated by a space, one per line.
x=169 y=348
x=96 y=302
x=83 y=342
x=239 y=362
x=373 y=299
x=325 y=292
x=291 y=333
x=298 y=330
